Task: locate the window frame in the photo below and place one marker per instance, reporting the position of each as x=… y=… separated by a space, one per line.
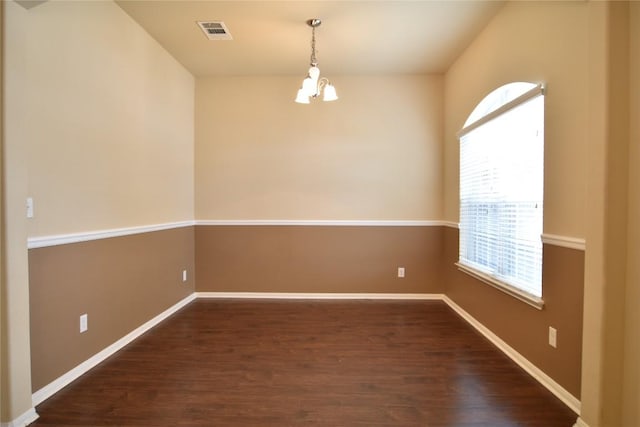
x=535 y=91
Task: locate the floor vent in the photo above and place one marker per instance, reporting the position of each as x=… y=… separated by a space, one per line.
x=215 y=30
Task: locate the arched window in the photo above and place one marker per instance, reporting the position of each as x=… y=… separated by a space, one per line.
x=501 y=190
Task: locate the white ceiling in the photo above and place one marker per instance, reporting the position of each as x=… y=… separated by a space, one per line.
x=356 y=37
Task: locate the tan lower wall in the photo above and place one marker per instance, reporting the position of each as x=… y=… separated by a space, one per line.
x=521 y=326
x=119 y=282
x=318 y=259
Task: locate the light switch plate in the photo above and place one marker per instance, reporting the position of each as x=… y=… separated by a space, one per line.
x=553 y=337
x=84 y=323
x=29 y=207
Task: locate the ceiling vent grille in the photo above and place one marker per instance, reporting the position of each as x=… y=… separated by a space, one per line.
x=215 y=30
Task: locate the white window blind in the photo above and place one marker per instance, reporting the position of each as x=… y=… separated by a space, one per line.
x=501 y=193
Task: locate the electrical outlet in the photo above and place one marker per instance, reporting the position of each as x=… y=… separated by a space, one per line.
x=84 y=325
x=401 y=272
x=184 y=275
x=553 y=337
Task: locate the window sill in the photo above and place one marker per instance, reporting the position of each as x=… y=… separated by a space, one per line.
x=533 y=301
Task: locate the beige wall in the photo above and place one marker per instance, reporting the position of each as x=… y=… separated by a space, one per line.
x=581 y=50
x=16 y=374
x=99 y=131
x=595 y=283
x=631 y=390
x=4 y=366
x=615 y=213
x=373 y=154
x=535 y=42
x=113 y=145
x=608 y=397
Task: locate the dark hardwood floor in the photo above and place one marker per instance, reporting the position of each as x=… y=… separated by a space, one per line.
x=321 y=363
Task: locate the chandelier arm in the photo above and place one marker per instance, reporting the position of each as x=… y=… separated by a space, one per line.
x=321 y=83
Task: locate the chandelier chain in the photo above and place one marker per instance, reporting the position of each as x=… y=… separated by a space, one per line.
x=314 y=61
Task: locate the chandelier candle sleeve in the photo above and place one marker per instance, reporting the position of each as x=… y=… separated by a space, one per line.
x=313 y=85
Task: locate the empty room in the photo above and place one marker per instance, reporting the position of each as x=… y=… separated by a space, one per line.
x=331 y=213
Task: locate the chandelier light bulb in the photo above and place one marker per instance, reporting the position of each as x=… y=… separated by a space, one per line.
x=330 y=93
x=302 y=97
x=310 y=86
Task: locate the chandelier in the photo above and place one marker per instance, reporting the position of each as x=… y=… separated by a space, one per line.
x=313 y=85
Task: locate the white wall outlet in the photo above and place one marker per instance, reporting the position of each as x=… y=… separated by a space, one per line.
x=184 y=275
x=84 y=323
x=400 y=272
x=553 y=337
x=29 y=207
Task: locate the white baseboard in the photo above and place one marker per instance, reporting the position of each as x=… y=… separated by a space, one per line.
x=323 y=222
x=560 y=392
x=334 y=296
x=23 y=420
x=62 y=381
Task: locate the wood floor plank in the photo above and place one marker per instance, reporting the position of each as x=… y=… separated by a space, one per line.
x=316 y=363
